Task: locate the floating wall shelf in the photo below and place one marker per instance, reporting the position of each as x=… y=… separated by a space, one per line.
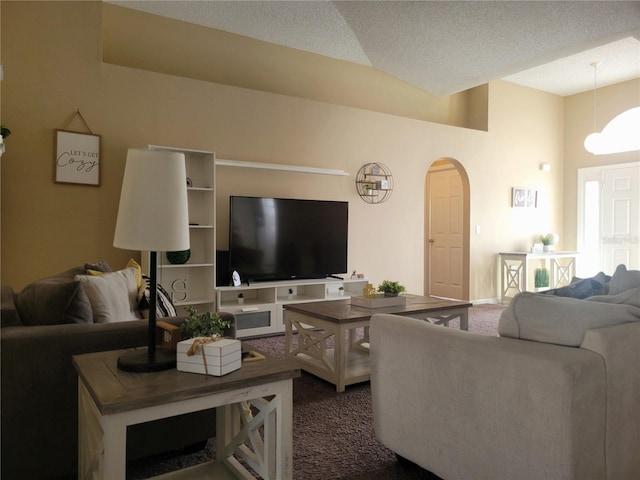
x=277 y=166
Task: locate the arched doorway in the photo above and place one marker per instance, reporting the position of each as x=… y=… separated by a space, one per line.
x=447 y=230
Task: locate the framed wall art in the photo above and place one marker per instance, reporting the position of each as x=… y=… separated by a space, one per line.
x=524 y=197
x=77 y=158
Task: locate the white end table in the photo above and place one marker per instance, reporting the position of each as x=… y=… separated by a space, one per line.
x=253 y=416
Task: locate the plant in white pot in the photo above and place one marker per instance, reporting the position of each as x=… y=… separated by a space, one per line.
x=549 y=240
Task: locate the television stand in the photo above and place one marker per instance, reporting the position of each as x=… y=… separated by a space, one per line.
x=260 y=310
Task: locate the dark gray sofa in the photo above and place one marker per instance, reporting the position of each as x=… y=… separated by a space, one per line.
x=39 y=396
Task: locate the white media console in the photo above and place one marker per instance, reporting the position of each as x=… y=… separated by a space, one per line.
x=261 y=310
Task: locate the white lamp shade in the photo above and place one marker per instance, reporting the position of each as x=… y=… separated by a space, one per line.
x=153 y=213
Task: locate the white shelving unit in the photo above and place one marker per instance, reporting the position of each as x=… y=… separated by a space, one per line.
x=261 y=312
x=193 y=283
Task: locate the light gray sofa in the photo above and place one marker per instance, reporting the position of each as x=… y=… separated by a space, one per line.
x=560 y=400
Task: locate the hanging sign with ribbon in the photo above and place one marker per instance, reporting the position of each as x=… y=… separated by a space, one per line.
x=77 y=155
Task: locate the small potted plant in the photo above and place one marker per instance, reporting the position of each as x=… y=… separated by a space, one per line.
x=205 y=325
x=390 y=289
x=541 y=280
x=549 y=240
x=290 y=294
x=240 y=299
x=341 y=291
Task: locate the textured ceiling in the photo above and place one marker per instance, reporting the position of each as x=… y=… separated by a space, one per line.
x=443 y=47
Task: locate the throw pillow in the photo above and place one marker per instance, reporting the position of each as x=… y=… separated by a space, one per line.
x=164 y=305
x=112 y=295
x=623 y=280
x=101 y=266
x=560 y=320
x=138 y=271
x=54 y=300
x=582 y=287
x=130 y=264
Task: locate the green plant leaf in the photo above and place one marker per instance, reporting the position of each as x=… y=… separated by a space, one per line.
x=203 y=325
x=388 y=286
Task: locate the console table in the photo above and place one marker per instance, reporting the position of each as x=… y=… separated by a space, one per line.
x=253 y=415
x=515 y=270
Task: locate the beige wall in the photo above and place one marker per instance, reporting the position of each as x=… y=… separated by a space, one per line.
x=51 y=71
x=158 y=44
x=579 y=116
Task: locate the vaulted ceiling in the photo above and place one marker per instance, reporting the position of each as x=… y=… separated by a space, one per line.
x=443 y=47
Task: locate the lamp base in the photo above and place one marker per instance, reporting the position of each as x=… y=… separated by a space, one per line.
x=140 y=361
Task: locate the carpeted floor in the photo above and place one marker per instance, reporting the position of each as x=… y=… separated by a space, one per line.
x=333 y=434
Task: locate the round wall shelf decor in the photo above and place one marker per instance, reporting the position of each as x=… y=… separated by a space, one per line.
x=374 y=182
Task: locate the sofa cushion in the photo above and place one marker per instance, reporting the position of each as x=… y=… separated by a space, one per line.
x=112 y=295
x=623 y=280
x=560 y=320
x=54 y=300
x=9 y=315
x=628 y=297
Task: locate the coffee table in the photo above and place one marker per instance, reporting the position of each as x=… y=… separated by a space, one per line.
x=109 y=400
x=328 y=343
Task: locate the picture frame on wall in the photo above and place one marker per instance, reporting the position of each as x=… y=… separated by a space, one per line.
x=524 y=197
x=77 y=158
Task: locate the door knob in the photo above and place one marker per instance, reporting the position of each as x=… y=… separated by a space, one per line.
x=431 y=240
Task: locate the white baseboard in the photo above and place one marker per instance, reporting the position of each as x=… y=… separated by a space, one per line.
x=482 y=301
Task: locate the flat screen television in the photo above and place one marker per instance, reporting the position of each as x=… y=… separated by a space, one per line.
x=283 y=238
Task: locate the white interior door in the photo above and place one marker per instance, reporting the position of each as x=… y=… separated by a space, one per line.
x=621 y=218
x=609 y=218
x=445 y=235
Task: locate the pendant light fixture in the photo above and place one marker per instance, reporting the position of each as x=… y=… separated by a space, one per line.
x=591 y=143
x=621 y=134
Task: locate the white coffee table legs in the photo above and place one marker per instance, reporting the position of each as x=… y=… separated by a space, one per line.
x=323 y=349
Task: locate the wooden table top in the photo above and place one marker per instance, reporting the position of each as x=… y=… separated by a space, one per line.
x=116 y=391
x=341 y=311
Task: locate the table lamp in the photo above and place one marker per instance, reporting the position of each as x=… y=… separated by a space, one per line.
x=152 y=216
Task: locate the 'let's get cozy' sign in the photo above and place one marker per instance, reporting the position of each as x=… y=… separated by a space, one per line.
x=77 y=158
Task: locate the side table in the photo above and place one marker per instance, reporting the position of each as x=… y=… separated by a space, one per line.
x=515 y=270
x=253 y=415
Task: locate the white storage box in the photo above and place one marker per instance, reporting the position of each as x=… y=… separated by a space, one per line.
x=214 y=358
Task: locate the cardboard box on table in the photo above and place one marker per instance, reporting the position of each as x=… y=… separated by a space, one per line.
x=214 y=358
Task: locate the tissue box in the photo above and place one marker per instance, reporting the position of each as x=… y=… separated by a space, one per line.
x=220 y=357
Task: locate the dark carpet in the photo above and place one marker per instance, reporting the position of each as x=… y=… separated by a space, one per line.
x=333 y=434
